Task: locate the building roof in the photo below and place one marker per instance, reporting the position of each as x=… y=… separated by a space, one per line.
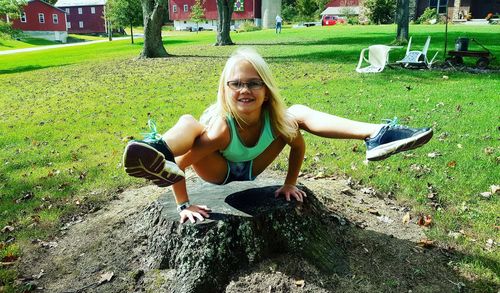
x=46 y=3
x=340 y=10
x=71 y=3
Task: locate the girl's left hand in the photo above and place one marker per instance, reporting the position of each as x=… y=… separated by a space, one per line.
x=290 y=190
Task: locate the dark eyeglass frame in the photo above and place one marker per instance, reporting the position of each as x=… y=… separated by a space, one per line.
x=238 y=85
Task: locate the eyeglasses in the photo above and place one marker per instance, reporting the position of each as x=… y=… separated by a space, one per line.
x=238 y=85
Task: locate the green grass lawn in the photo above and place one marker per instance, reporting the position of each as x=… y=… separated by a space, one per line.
x=67 y=113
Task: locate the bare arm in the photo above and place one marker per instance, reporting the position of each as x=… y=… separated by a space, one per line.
x=295 y=159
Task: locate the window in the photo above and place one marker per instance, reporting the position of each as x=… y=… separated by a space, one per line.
x=186 y=8
x=55 y=19
x=442 y=5
x=68 y=24
x=80 y=10
x=174 y=8
x=67 y=10
x=23 y=17
x=41 y=18
x=80 y=24
x=92 y=10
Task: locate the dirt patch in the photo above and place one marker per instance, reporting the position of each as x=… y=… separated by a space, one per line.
x=105 y=251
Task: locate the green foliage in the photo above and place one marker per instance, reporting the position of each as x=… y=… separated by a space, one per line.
x=429 y=13
x=12 y=9
x=289 y=12
x=248 y=26
x=380 y=11
x=124 y=13
x=309 y=10
x=349 y=14
x=197 y=12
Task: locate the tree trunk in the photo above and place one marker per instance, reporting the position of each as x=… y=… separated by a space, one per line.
x=403 y=19
x=247 y=224
x=154 y=12
x=131 y=33
x=224 y=11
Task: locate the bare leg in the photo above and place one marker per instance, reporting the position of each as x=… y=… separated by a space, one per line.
x=180 y=138
x=330 y=126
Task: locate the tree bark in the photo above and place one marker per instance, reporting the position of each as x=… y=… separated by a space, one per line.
x=153 y=11
x=403 y=19
x=244 y=228
x=131 y=32
x=224 y=11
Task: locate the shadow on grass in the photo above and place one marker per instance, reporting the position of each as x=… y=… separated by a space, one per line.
x=27 y=68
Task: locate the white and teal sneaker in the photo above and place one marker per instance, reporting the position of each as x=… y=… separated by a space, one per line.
x=394 y=138
x=152 y=159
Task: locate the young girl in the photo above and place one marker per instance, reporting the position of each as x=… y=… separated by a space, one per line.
x=245 y=131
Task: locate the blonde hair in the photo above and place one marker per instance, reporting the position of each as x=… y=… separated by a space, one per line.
x=281 y=122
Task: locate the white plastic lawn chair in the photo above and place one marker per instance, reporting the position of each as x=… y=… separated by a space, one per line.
x=378 y=57
x=417 y=58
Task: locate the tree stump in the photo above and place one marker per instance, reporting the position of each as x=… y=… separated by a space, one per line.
x=247 y=224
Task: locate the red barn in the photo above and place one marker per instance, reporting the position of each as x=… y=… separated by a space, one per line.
x=261 y=12
x=84 y=16
x=39 y=19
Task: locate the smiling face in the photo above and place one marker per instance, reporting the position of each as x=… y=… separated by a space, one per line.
x=245 y=101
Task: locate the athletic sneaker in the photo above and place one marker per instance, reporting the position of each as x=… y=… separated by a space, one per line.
x=394 y=138
x=151 y=159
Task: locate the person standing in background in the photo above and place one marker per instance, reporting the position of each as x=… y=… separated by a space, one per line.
x=279 y=20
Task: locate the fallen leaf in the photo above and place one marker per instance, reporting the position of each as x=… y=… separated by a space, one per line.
x=385 y=219
x=495 y=189
x=452 y=164
x=489 y=244
x=425 y=221
x=489 y=150
x=486 y=194
x=368 y=190
x=406 y=218
x=425 y=243
x=39 y=275
x=446 y=77
x=106 y=277
x=300 y=283
x=7 y=229
x=373 y=211
x=459 y=146
x=433 y=155
x=347 y=191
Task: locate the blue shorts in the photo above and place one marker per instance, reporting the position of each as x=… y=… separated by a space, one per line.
x=241 y=171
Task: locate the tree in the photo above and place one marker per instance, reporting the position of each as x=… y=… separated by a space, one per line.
x=310 y=9
x=125 y=13
x=197 y=13
x=12 y=9
x=402 y=19
x=153 y=12
x=224 y=11
x=380 y=11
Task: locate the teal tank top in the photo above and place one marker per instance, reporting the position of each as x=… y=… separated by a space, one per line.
x=237 y=152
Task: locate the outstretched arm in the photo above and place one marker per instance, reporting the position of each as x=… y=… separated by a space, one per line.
x=295 y=159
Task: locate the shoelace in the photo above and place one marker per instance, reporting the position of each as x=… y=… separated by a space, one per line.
x=153 y=134
x=393 y=123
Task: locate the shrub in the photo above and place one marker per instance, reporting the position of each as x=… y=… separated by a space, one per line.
x=380 y=11
x=248 y=26
x=427 y=16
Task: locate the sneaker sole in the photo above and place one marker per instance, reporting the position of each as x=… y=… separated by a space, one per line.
x=144 y=161
x=386 y=150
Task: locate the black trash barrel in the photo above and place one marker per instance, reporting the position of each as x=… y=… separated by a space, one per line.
x=462 y=44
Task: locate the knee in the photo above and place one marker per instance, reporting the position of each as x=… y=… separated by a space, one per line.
x=188 y=120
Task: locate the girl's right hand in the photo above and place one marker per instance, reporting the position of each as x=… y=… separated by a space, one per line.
x=194 y=212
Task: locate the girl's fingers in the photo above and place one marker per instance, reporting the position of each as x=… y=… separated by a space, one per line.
x=199 y=216
x=191 y=218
